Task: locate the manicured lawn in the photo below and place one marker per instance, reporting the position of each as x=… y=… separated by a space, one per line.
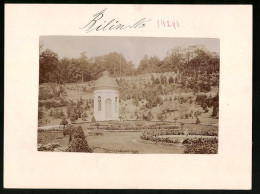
x=129 y=142
x=118 y=137
x=112 y=142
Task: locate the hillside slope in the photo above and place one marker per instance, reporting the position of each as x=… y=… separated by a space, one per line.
x=169 y=96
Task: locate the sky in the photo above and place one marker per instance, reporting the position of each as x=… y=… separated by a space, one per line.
x=133 y=48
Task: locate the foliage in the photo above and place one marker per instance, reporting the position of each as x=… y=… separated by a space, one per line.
x=64 y=122
x=208 y=101
x=161 y=116
x=148 y=117
x=194 y=62
x=197 y=121
x=74 y=111
x=148 y=65
x=53 y=103
x=160 y=139
x=67 y=130
x=48 y=66
x=201 y=146
x=72 y=70
x=48 y=147
x=58 y=114
x=183 y=70
x=78 y=141
x=93 y=119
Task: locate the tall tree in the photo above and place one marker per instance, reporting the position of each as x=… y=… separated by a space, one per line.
x=48 y=66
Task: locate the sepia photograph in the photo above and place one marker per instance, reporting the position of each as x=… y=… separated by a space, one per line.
x=90 y=91
x=128 y=95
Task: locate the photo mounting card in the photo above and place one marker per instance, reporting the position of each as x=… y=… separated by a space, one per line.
x=128 y=92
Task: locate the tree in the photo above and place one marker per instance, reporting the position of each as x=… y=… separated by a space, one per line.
x=148 y=65
x=62 y=70
x=174 y=59
x=74 y=73
x=149 y=116
x=157 y=81
x=163 y=79
x=161 y=116
x=83 y=65
x=84 y=116
x=152 y=78
x=181 y=124
x=215 y=111
x=135 y=101
x=51 y=113
x=197 y=121
x=171 y=80
x=56 y=114
x=73 y=117
x=93 y=119
x=48 y=66
x=64 y=122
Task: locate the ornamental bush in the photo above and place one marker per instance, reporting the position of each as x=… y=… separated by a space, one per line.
x=93 y=119
x=78 y=141
x=201 y=146
x=64 y=122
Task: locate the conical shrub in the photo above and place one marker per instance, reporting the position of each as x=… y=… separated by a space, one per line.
x=78 y=141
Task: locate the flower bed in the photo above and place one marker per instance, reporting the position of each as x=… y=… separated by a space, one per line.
x=128 y=126
x=201 y=146
x=48 y=147
x=192 y=145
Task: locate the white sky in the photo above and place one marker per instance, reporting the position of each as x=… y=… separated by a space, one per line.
x=133 y=48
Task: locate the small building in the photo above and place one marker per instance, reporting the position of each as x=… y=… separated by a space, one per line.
x=106 y=98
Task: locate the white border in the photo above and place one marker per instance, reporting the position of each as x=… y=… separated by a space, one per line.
x=24 y=167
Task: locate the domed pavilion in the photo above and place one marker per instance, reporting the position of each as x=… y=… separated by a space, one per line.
x=106 y=98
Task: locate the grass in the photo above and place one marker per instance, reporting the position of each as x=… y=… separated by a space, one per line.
x=110 y=142
x=102 y=140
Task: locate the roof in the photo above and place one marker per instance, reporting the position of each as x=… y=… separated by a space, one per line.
x=105 y=81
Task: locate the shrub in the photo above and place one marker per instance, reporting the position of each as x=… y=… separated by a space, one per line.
x=56 y=114
x=53 y=103
x=187 y=141
x=149 y=116
x=171 y=80
x=73 y=117
x=181 y=124
x=161 y=116
x=74 y=111
x=215 y=111
x=93 y=119
x=48 y=147
x=201 y=146
x=67 y=130
x=64 y=122
x=139 y=123
x=197 y=121
x=78 y=141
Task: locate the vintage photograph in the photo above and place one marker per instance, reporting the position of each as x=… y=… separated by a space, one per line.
x=134 y=95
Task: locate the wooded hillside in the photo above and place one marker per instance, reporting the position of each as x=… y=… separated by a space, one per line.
x=193 y=61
